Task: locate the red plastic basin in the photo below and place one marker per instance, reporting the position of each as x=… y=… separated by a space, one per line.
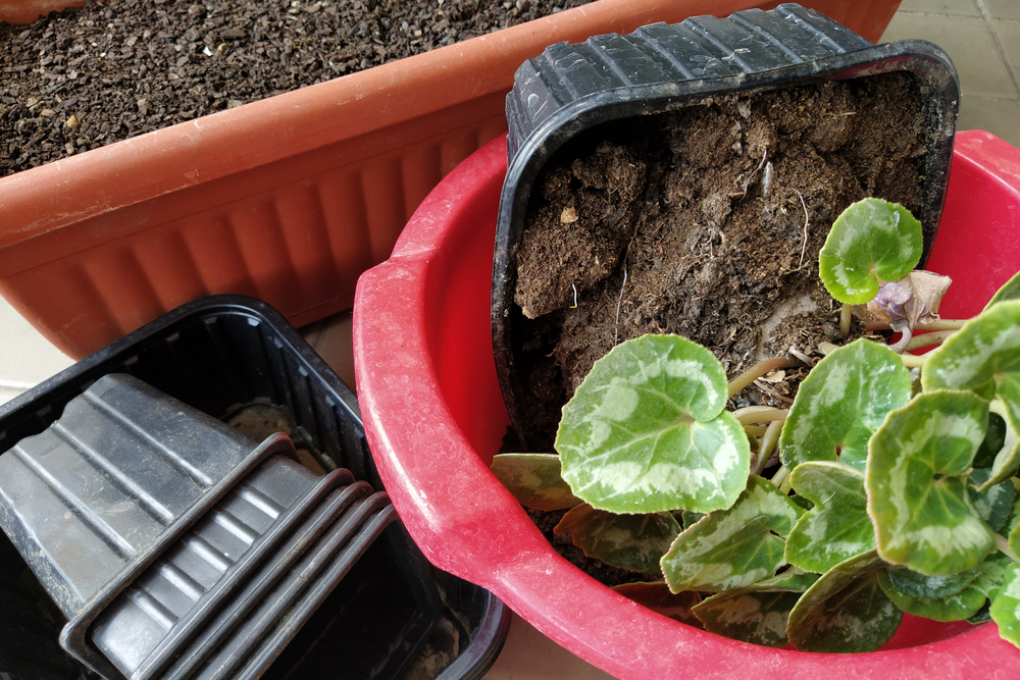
x=434 y=418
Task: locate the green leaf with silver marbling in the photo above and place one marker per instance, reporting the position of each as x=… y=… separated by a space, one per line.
x=845 y=610
x=984 y=357
x=535 y=480
x=757 y=613
x=917 y=484
x=1005 y=610
x=838 y=527
x=635 y=542
x=993 y=503
x=646 y=431
x=870 y=242
x=956 y=607
x=841 y=403
x=735 y=547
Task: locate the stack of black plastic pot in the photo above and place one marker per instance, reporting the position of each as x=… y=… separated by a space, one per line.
x=154 y=540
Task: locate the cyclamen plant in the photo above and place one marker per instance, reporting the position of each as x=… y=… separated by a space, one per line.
x=894 y=489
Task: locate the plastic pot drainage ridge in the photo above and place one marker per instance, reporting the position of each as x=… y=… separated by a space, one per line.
x=238 y=359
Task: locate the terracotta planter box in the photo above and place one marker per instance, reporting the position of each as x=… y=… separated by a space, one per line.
x=434 y=418
x=288 y=199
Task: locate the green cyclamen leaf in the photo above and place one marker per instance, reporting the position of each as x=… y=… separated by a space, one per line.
x=843 y=400
x=845 y=610
x=838 y=527
x=956 y=607
x=1007 y=458
x=993 y=503
x=917 y=484
x=534 y=480
x=871 y=240
x=984 y=357
x=658 y=598
x=646 y=431
x=1005 y=609
x=753 y=616
x=995 y=439
x=757 y=613
x=635 y=542
x=734 y=547
x=917 y=585
x=1009 y=291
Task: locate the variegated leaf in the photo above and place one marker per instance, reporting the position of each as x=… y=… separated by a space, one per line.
x=995 y=439
x=734 y=547
x=534 y=480
x=635 y=542
x=658 y=598
x=646 y=431
x=984 y=357
x=872 y=240
x=1005 y=610
x=956 y=607
x=1007 y=459
x=993 y=503
x=845 y=610
x=757 y=613
x=843 y=400
x=917 y=484
x=918 y=585
x=1009 y=291
x=838 y=527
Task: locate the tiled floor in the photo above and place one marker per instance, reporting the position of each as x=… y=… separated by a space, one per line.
x=981 y=36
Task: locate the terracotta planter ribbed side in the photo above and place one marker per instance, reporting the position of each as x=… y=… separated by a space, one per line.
x=288 y=199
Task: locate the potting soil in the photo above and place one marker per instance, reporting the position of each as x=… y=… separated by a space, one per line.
x=85 y=77
x=706 y=222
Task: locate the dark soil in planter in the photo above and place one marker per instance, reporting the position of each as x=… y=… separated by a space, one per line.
x=86 y=77
x=705 y=222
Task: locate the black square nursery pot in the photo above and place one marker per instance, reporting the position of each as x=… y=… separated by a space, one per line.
x=568 y=96
x=233 y=359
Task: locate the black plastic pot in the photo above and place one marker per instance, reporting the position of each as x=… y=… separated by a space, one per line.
x=570 y=88
x=238 y=360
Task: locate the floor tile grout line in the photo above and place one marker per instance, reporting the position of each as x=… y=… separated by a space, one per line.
x=989 y=23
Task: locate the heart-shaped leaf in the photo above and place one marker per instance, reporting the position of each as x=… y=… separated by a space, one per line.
x=757 y=613
x=1009 y=291
x=984 y=357
x=845 y=610
x=955 y=607
x=534 y=480
x=917 y=484
x=1005 y=610
x=843 y=400
x=872 y=240
x=1007 y=458
x=646 y=431
x=838 y=527
x=734 y=547
x=658 y=598
x=635 y=542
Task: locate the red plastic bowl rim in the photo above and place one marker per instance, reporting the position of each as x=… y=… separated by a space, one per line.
x=468 y=524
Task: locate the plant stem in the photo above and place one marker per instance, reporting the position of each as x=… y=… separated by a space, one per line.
x=936 y=325
x=759 y=414
x=1003 y=545
x=758 y=370
x=782 y=474
x=846 y=315
x=927 y=340
x=755 y=430
x=768 y=443
x=914 y=361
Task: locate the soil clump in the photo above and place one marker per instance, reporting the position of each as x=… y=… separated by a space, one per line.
x=705 y=222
